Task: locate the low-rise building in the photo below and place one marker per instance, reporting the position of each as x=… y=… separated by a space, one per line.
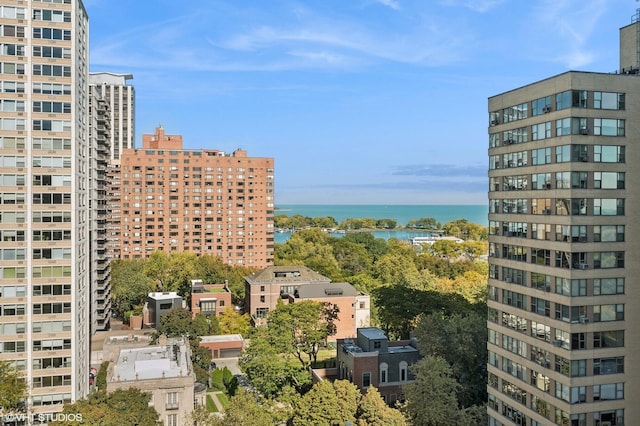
x=291 y=284
x=223 y=346
x=264 y=288
x=354 y=307
x=209 y=299
x=163 y=370
x=159 y=304
x=372 y=360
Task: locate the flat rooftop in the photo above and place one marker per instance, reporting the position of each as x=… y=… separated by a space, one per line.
x=152 y=362
x=221 y=338
x=164 y=295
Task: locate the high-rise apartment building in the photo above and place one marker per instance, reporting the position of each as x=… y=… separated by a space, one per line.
x=100 y=313
x=201 y=201
x=120 y=97
x=44 y=192
x=564 y=299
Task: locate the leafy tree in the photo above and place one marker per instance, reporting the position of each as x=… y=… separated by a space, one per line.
x=324 y=222
x=13 y=388
x=269 y=371
x=424 y=223
x=348 y=396
x=399 y=307
x=373 y=411
x=120 y=407
x=460 y=340
x=386 y=224
x=447 y=248
x=374 y=246
x=101 y=377
x=243 y=410
x=130 y=285
x=317 y=407
x=179 y=322
x=309 y=247
x=303 y=327
x=352 y=257
x=156 y=267
x=431 y=398
x=475 y=249
x=397 y=269
x=464 y=229
x=232 y=322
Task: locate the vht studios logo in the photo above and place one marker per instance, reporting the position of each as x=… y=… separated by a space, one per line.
x=41 y=418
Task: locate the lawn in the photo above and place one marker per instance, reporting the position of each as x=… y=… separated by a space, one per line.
x=224 y=400
x=211 y=406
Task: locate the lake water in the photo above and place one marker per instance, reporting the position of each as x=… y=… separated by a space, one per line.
x=401 y=213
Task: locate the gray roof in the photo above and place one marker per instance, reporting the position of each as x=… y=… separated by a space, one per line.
x=320 y=290
x=286 y=274
x=372 y=333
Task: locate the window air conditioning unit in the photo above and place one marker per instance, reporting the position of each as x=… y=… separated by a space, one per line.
x=557 y=342
x=584 y=320
x=584 y=131
x=546 y=109
x=584 y=156
x=508 y=279
x=509 y=142
x=495 y=122
x=546 y=364
x=584 y=266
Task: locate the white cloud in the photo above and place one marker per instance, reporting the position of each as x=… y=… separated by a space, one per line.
x=480 y=6
x=393 y=4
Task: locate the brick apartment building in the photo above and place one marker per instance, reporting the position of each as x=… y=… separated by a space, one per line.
x=164 y=197
x=372 y=360
x=295 y=283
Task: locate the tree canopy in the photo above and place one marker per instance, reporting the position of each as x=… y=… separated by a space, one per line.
x=117 y=408
x=13 y=388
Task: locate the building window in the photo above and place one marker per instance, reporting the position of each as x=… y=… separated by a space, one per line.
x=384 y=369
x=172 y=420
x=262 y=312
x=377 y=345
x=366 y=380
x=262 y=299
x=403 y=371
x=172 y=401
x=261 y=288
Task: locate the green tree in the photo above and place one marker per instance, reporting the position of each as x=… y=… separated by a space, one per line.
x=244 y=410
x=460 y=340
x=424 y=223
x=302 y=328
x=13 y=388
x=352 y=257
x=447 y=248
x=373 y=411
x=156 y=267
x=309 y=247
x=130 y=285
x=101 y=377
x=267 y=369
x=120 y=407
x=318 y=407
x=348 y=396
x=376 y=247
x=232 y=322
x=431 y=399
x=386 y=224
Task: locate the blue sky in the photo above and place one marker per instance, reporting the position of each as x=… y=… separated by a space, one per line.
x=358 y=101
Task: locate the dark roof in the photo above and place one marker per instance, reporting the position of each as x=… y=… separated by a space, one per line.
x=319 y=290
x=286 y=274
